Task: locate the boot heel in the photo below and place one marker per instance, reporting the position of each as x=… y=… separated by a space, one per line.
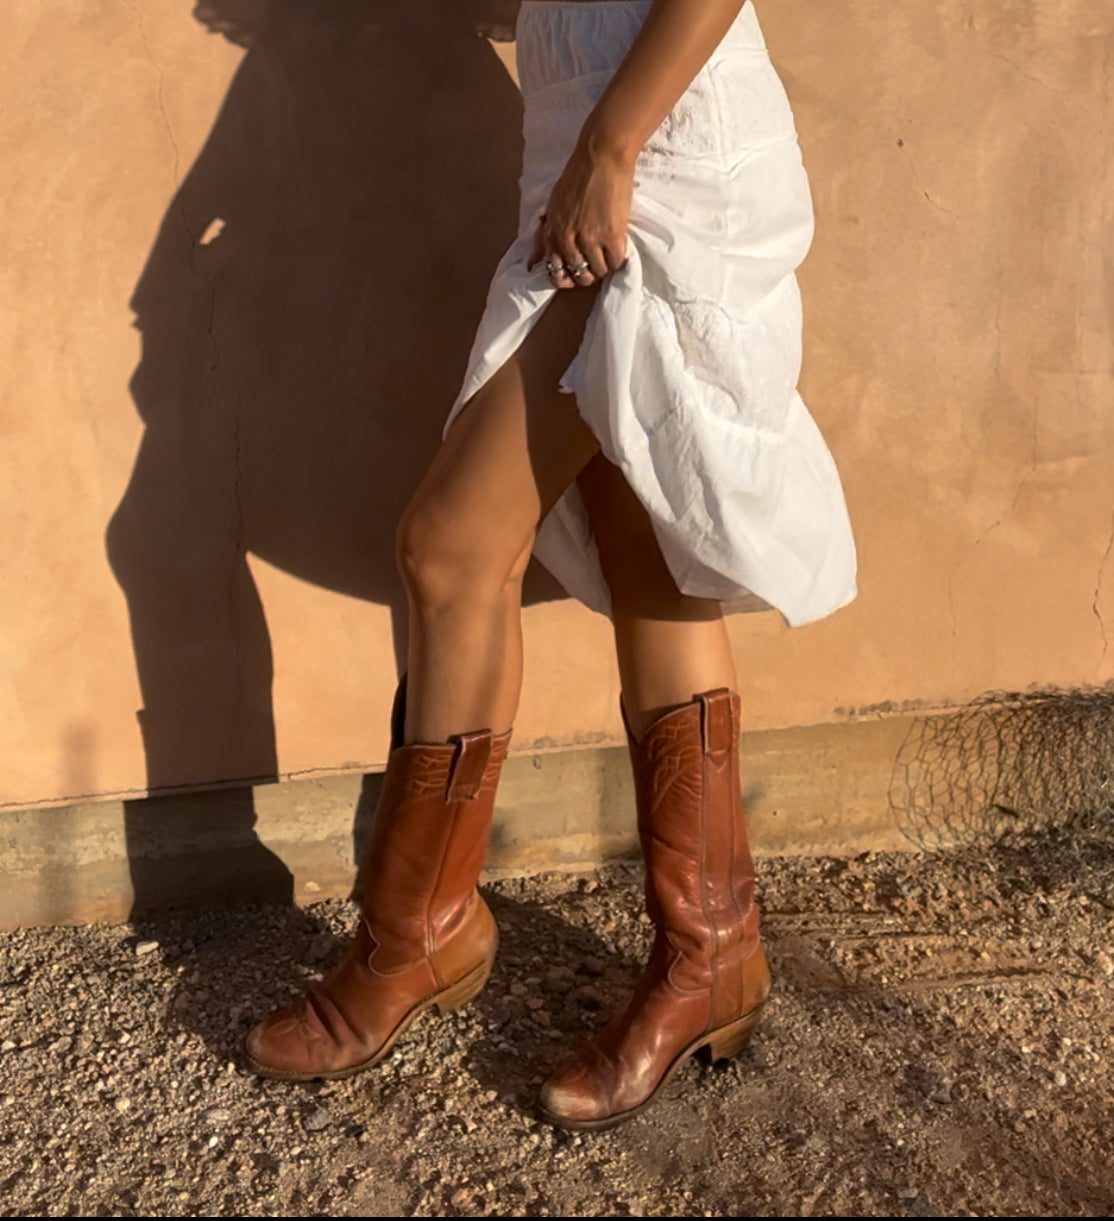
x=728 y=1041
x=465 y=989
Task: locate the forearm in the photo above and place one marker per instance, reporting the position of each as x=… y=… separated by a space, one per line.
x=674 y=43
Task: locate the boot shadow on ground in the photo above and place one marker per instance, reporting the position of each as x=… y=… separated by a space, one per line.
x=245 y=960
x=578 y=977
x=306 y=313
x=273 y=950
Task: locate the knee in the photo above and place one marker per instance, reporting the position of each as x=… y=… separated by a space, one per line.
x=444 y=562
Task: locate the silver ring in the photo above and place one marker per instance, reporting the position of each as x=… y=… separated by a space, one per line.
x=554 y=266
x=581 y=269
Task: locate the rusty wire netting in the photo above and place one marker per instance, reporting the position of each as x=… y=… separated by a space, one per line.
x=1010 y=767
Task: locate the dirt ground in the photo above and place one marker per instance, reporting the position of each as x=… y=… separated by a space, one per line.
x=938 y=1043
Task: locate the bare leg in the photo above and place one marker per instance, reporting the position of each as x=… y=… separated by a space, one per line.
x=706 y=980
x=466 y=537
x=670 y=647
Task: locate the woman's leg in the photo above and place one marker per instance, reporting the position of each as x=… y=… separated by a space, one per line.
x=426 y=939
x=669 y=646
x=707 y=980
x=465 y=539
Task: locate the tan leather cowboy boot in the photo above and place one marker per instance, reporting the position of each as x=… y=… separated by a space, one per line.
x=707 y=978
x=426 y=940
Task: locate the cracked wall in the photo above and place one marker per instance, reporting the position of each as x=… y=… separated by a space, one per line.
x=238 y=286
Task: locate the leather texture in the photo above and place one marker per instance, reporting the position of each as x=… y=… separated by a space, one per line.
x=707 y=973
x=426 y=935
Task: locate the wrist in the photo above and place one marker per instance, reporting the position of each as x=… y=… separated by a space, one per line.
x=603 y=144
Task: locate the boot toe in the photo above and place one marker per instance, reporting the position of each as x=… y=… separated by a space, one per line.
x=279 y=1045
x=575 y=1093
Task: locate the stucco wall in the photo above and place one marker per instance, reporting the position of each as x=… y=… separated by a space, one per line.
x=237 y=290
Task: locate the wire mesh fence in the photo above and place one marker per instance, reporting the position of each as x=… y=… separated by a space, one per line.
x=1032 y=768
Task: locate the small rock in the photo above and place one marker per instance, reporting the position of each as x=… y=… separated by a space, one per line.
x=593 y=966
x=7 y=1045
x=560 y=980
x=123 y=1104
x=62 y=1045
x=317 y=1120
x=541 y=1017
x=144 y=948
x=907 y=1193
x=535 y=1002
x=216 y=1116
x=588 y=996
x=1059 y=1079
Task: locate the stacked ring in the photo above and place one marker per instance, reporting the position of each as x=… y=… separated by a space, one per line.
x=554 y=266
x=581 y=269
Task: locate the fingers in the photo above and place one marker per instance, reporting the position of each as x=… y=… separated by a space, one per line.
x=575 y=261
x=559 y=275
x=537 y=250
x=580 y=269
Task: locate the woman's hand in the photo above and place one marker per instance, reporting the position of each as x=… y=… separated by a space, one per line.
x=582 y=234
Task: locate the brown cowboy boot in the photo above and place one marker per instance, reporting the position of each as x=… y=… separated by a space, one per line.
x=426 y=940
x=707 y=978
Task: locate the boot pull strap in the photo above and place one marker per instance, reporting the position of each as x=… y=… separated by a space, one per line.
x=717 y=721
x=466 y=772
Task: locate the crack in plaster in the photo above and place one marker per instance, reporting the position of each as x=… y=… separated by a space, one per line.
x=1027 y=75
x=920 y=187
x=161 y=78
x=1098 y=591
x=1030 y=470
x=240 y=550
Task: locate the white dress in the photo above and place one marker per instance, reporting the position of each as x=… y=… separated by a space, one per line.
x=688 y=368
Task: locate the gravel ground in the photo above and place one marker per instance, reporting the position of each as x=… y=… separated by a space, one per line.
x=938 y=1043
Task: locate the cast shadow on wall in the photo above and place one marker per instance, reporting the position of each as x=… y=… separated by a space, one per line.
x=306 y=312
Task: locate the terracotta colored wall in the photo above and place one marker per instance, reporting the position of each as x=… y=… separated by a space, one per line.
x=238 y=289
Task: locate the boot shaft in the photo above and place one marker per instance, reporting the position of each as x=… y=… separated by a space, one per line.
x=700 y=884
x=418 y=879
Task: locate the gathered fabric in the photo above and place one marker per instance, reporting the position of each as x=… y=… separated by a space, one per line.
x=688 y=368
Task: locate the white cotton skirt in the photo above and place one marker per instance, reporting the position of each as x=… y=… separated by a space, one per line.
x=688 y=368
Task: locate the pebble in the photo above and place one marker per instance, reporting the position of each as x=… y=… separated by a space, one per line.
x=230 y=1142
x=317 y=1120
x=588 y=996
x=143 y=948
x=560 y=979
